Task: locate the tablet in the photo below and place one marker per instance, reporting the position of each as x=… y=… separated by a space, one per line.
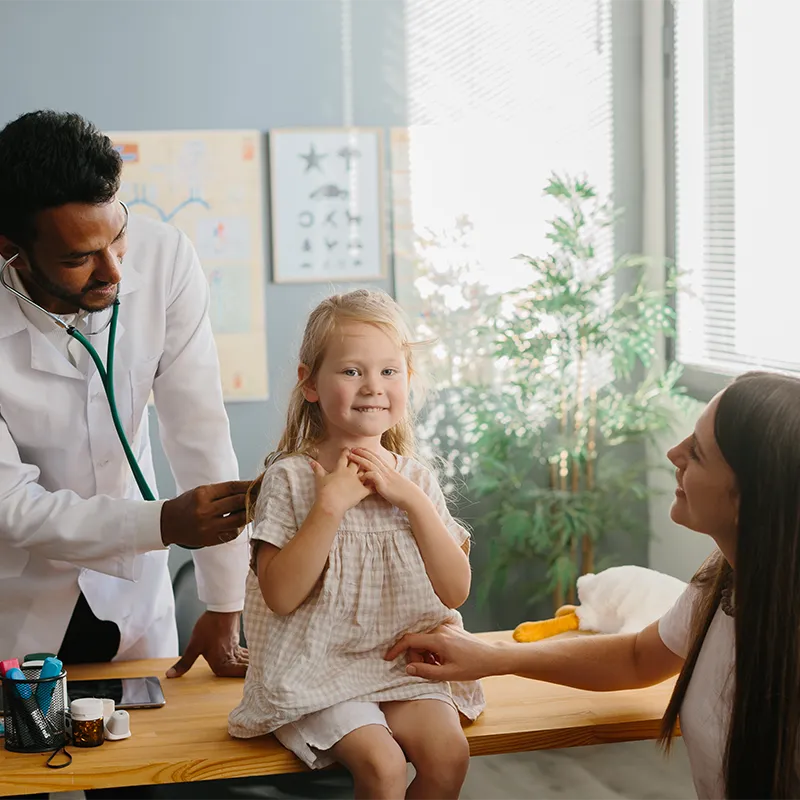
x=125 y=692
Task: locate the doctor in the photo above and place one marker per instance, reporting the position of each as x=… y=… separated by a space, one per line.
x=83 y=559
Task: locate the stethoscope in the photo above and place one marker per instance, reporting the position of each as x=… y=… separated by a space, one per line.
x=106 y=372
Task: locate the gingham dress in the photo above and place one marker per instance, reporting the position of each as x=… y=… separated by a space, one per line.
x=372 y=591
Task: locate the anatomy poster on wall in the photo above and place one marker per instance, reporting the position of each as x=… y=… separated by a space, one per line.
x=211 y=185
x=327 y=204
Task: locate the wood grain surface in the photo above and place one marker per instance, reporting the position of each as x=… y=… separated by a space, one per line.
x=187 y=739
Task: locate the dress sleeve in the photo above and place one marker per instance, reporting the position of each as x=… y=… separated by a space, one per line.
x=430 y=485
x=675 y=626
x=274 y=520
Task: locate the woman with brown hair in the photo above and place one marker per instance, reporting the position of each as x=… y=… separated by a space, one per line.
x=733 y=636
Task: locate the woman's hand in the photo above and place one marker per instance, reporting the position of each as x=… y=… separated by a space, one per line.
x=383 y=478
x=448 y=654
x=343 y=488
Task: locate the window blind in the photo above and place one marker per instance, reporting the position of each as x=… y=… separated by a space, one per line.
x=735 y=201
x=499 y=96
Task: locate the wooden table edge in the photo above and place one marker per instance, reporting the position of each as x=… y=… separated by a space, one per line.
x=184 y=768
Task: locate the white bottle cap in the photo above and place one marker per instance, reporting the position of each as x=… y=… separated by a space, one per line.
x=86 y=708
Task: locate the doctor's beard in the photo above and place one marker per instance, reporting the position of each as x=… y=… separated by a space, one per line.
x=79 y=300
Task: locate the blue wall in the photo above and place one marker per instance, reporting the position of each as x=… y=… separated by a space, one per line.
x=172 y=64
x=165 y=64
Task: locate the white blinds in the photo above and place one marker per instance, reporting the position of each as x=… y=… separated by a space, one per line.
x=737 y=173
x=501 y=94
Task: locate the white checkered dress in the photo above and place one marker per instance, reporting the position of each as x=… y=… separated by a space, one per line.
x=373 y=590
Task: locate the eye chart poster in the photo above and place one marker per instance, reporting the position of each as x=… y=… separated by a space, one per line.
x=327 y=204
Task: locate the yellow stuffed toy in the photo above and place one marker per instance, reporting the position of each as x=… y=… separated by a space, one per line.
x=617 y=600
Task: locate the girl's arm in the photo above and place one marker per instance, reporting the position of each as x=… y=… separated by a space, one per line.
x=287 y=575
x=446 y=562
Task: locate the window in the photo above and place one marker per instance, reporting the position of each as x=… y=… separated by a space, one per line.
x=500 y=95
x=737 y=179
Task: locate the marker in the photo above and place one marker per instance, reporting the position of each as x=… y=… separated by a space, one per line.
x=44 y=691
x=23 y=689
x=8 y=664
x=36 y=659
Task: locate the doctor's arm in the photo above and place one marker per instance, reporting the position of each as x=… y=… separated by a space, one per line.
x=195 y=434
x=100 y=532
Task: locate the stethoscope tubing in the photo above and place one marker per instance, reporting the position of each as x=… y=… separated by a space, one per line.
x=106 y=376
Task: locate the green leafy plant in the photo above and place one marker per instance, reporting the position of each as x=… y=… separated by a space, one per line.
x=576 y=380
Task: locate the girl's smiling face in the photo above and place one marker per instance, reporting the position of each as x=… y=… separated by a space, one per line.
x=362 y=383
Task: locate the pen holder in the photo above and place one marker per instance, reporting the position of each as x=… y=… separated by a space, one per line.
x=33 y=712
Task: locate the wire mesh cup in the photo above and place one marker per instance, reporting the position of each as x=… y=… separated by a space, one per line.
x=33 y=712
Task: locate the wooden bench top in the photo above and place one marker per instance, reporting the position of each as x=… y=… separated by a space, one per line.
x=187 y=739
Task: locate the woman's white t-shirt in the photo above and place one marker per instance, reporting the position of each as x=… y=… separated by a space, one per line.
x=706 y=709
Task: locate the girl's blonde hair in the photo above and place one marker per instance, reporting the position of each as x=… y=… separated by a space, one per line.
x=305 y=428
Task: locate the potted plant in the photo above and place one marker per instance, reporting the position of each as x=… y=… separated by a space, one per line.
x=576 y=382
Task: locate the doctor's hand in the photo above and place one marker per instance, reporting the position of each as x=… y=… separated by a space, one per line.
x=216 y=638
x=205 y=516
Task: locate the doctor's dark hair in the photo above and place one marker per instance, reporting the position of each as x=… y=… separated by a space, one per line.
x=305 y=427
x=757 y=429
x=48 y=159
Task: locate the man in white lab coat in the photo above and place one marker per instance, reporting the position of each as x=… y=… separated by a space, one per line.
x=83 y=559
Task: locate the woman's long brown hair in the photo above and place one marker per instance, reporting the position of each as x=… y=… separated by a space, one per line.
x=757 y=428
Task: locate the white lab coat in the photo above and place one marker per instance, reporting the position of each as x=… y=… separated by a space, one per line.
x=71 y=516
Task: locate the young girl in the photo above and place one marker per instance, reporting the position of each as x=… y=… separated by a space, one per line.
x=353 y=546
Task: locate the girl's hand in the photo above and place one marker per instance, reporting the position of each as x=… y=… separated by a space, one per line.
x=341 y=489
x=383 y=478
